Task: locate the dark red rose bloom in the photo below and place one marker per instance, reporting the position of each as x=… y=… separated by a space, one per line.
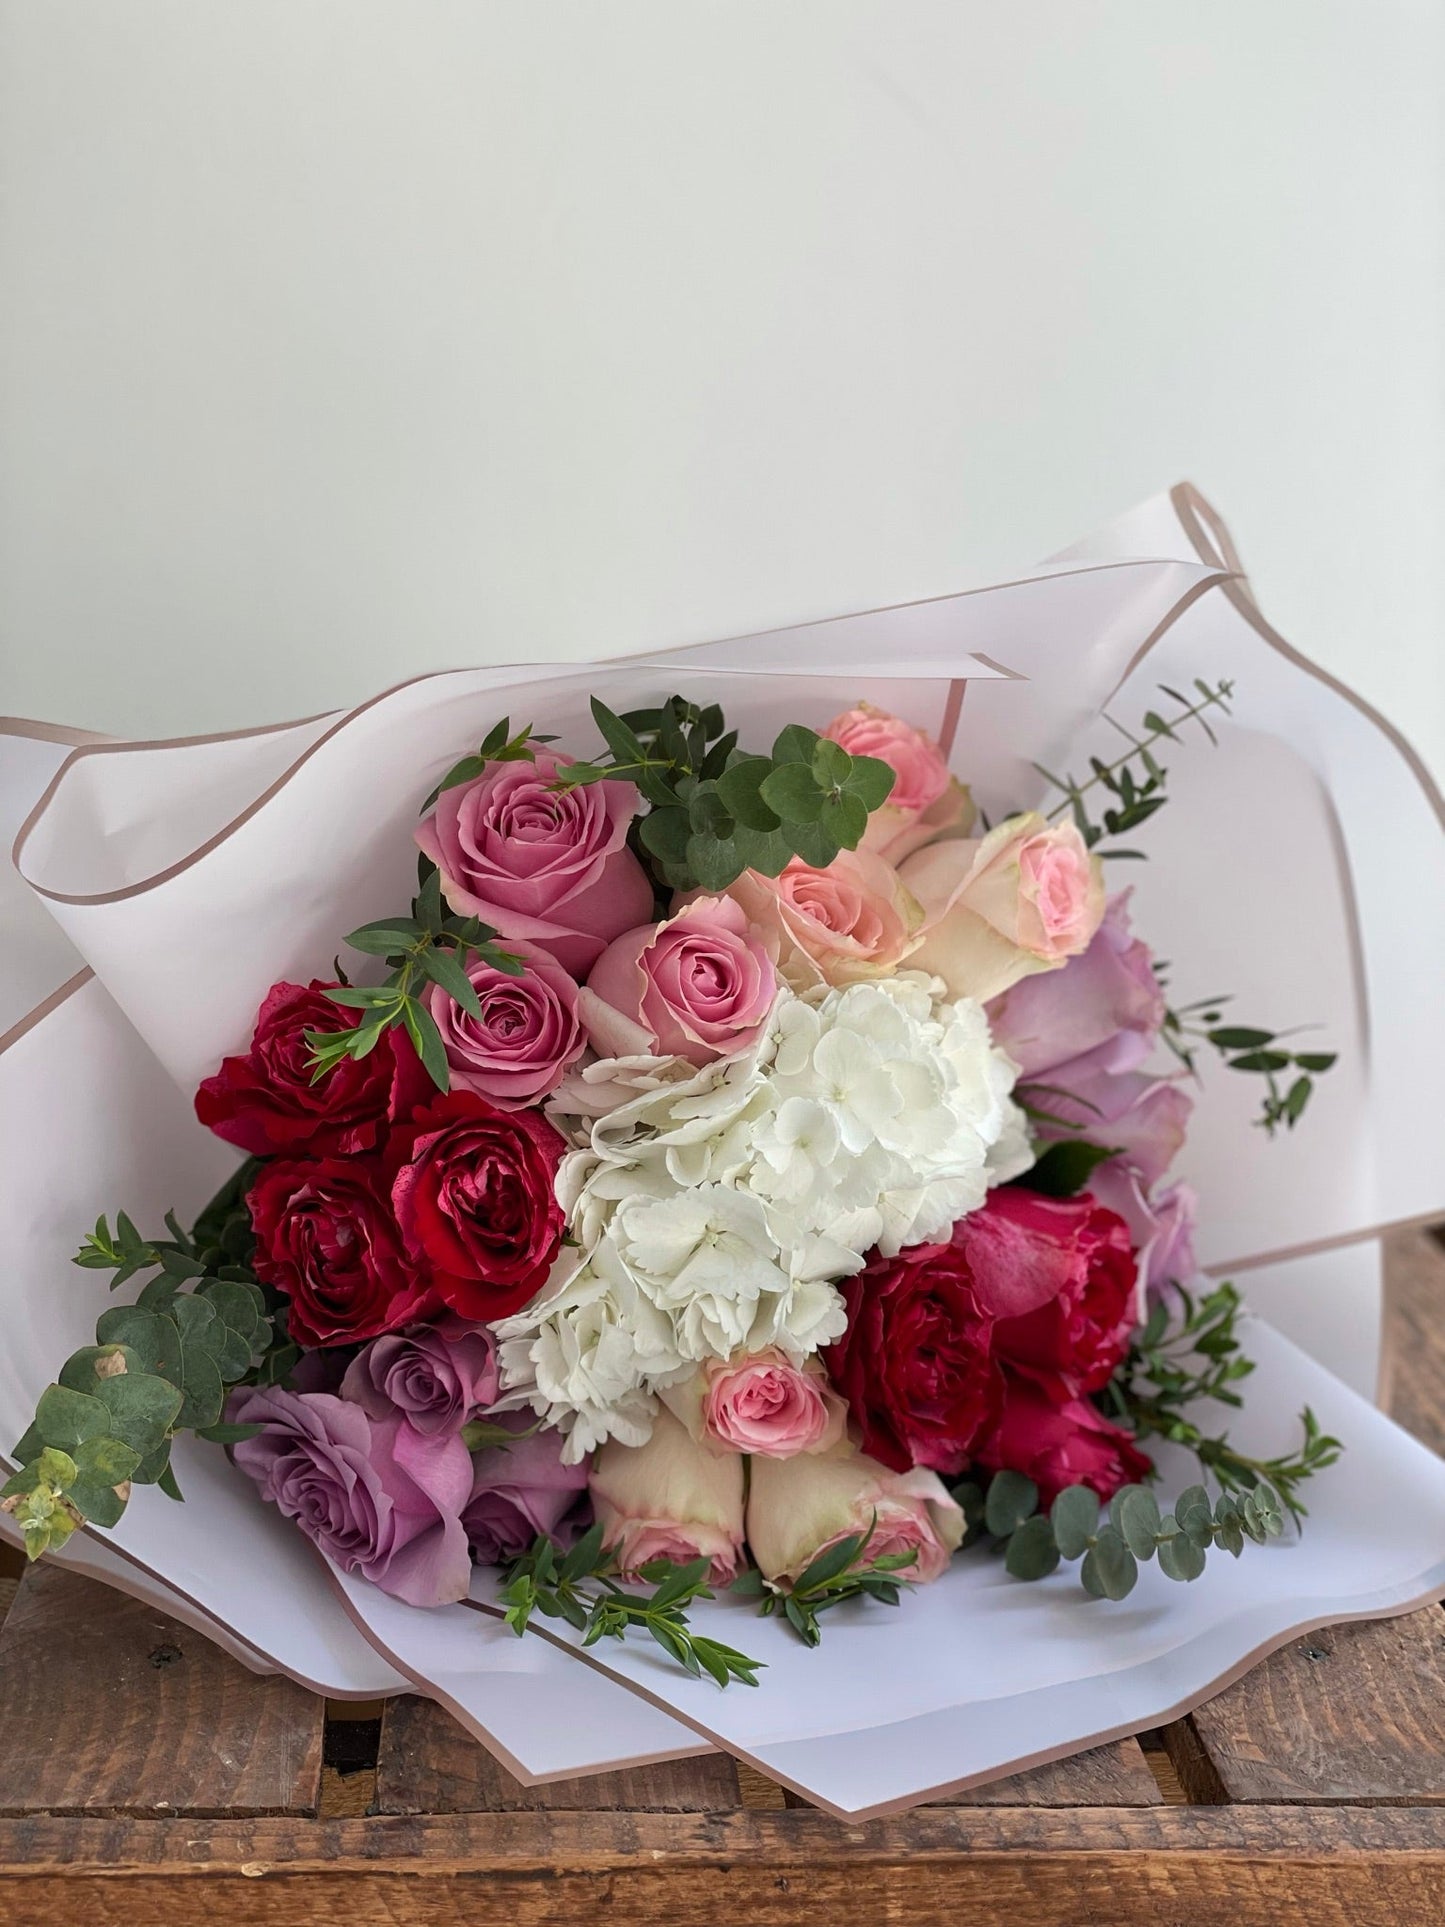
x=1059 y=1277
x=915 y=1363
x=267 y=1103
x=475 y=1196
x=326 y=1235
x=1059 y=1445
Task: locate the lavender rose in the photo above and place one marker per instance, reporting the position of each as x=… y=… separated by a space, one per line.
x=435 y=1376
x=522 y=1489
x=1107 y=997
x=540 y=863
x=377 y=1496
x=527 y=1035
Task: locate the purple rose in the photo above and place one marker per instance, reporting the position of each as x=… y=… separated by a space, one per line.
x=435 y=1376
x=522 y=1489
x=377 y=1496
x=538 y=862
x=1143 y=1118
x=1161 y=1226
x=1108 y=996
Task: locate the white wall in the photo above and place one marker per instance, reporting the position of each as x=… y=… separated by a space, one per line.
x=340 y=339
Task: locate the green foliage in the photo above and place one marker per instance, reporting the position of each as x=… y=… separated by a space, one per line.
x=1111 y=1545
x=1289 y=1076
x=1136 y=781
x=581 y=1587
x=1062 y=1170
x=163 y=1365
x=1170 y=1370
x=430 y=946
x=840 y=1572
x=718 y=810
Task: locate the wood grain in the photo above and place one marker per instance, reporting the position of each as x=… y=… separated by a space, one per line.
x=429 y=1764
x=106 y=1706
x=1036 y=1867
x=1415 y=1333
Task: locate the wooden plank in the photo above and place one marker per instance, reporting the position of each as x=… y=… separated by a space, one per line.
x=109 y=1707
x=1105 y=1776
x=1415 y=1333
x=1036 y=1867
x=429 y=1764
x=1350 y=1714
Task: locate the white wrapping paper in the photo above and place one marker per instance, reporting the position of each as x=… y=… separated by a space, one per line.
x=188 y=877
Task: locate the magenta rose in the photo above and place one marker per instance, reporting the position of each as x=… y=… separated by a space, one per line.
x=548 y=865
x=521 y=1490
x=527 y=1035
x=327 y=1237
x=267 y=1102
x=435 y=1376
x=1059 y=1278
x=474 y=1195
x=698 y=985
x=1059 y=1445
x=1109 y=996
x=378 y=1497
x=916 y=1363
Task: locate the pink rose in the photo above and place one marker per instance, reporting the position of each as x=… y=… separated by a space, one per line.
x=540 y=863
x=527 y=1035
x=926 y=799
x=1108 y=995
x=799 y=1507
x=523 y=1489
x=436 y=1376
x=698 y=985
x=764 y=1404
x=670 y=1499
x=850 y=921
x=1024 y=898
x=377 y=1496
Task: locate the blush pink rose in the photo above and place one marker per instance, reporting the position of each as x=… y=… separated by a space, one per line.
x=799 y=1507
x=670 y=1499
x=1024 y=898
x=763 y=1404
x=698 y=985
x=850 y=921
x=526 y=1037
x=1108 y=995
x=926 y=799
x=547 y=865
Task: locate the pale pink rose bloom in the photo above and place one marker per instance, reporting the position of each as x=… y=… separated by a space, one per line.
x=799 y=1507
x=851 y=921
x=1107 y=996
x=926 y=799
x=548 y=865
x=762 y=1403
x=527 y=1035
x=699 y=985
x=1024 y=898
x=670 y=1499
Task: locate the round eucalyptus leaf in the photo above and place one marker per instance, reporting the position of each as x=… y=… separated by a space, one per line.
x=1075 y=1519
x=1110 y=1570
x=1032 y=1553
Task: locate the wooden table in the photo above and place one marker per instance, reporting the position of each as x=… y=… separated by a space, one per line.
x=155 y=1781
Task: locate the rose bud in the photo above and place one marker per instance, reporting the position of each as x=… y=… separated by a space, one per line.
x=670 y=1499
x=1024 y=898
x=548 y=865
x=435 y=1376
x=799 y=1507
x=698 y=985
x=926 y=800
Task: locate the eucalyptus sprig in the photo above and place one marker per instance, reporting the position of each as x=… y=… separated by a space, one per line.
x=1136 y=780
x=431 y=946
x=1244 y=1047
x=1169 y=1371
x=836 y=1575
x=718 y=810
x=161 y=1366
x=1113 y=1544
x=581 y=1586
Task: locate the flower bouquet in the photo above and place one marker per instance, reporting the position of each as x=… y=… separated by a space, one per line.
x=739 y=1180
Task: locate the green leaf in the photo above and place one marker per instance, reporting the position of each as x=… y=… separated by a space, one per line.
x=1316 y=1060
x=385 y=938
x=664 y=834
x=444 y=968
x=100 y=1503
x=1074 y=1516
x=625 y=746
x=1033 y=1552
x=1260 y=1060
x=791 y=792
x=1237 y=1037
x=871 y=781
x=150 y=1335
x=741 y=790
x=1135 y=1511
x=427 y=1041
x=1110 y=1570
x=77 y=1374
x=226 y=1434
x=1062 y=1170
x=795 y=745
x=830 y=1563
x=1011 y=1499
x=168 y=1484
x=140 y=1409
x=105 y=1461
x=65 y=1418
x=1180 y=1558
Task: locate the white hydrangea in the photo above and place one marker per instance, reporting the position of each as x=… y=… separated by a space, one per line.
x=713 y=1209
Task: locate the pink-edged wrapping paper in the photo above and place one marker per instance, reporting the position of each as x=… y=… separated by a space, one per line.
x=1298 y=865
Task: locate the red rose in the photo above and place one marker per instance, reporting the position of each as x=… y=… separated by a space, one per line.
x=475 y=1196
x=915 y=1363
x=327 y=1237
x=1060 y=1278
x=267 y=1103
x=1059 y=1445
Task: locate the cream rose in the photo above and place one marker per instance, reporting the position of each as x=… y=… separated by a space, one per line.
x=670 y=1499
x=852 y=921
x=799 y=1507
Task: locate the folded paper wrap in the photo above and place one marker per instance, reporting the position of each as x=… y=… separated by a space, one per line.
x=1298 y=866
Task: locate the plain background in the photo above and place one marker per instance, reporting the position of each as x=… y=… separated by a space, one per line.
x=341 y=340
